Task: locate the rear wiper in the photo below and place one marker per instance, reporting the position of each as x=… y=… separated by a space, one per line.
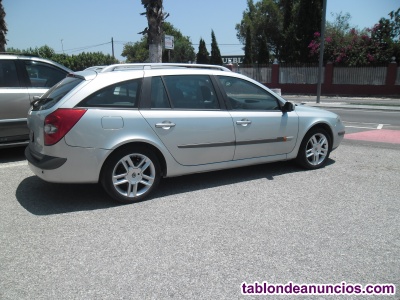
x=41 y=101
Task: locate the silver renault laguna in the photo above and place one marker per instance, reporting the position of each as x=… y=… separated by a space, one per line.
x=128 y=125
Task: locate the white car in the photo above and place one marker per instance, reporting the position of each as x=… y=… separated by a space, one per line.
x=129 y=125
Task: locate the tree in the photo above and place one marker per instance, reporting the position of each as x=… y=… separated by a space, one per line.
x=138 y=52
x=155 y=20
x=3 y=28
x=308 y=22
x=262 y=46
x=263 y=21
x=289 y=48
x=248 y=48
x=202 y=55
x=183 y=50
x=387 y=34
x=215 y=58
x=353 y=47
x=74 y=62
x=281 y=29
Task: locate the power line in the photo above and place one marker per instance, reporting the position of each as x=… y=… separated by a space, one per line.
x=85 y=47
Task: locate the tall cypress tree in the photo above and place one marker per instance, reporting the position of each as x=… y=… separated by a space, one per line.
x=202 y=55
x=290 y=46
x=263 y=52
x=3 y=28
x=248 y=48
x=216 y=58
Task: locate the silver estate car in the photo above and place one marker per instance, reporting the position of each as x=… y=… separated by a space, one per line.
x=128 y=125
x=22 y=78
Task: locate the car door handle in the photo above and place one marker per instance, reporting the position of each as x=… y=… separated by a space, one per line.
x=165 y=125
x=243 y=122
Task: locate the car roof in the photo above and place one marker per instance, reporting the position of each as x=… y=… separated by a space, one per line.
x=19 y=56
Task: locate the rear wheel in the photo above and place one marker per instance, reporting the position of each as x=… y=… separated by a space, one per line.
x=314 y=149
x=131 y=174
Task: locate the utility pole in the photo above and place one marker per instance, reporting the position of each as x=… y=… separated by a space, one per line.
x=321 y=51
x=112 y=47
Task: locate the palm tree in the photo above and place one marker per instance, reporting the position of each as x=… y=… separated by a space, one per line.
x=3 y=28
x=155 y=19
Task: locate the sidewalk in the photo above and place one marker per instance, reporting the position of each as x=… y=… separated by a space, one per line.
x=371 y=103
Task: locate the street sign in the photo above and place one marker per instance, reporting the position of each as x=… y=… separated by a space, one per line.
x=169 y=42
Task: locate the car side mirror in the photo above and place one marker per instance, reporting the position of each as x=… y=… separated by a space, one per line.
x=288 y=107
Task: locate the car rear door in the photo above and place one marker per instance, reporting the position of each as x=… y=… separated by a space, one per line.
x=185 y=113
x=14 y=103
x=40 y=76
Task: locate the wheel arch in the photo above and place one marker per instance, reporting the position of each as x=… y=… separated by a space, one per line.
x=325 y=127
x=154 y=149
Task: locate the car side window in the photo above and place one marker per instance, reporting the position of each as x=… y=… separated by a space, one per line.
x=42 y=75
x=159 y=98
x=244 y=95
x=8 y=74
x=191 y=92
x=122 y=94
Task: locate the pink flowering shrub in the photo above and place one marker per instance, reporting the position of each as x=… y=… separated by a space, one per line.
x=352 y=48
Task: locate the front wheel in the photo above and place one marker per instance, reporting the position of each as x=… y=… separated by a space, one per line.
x=314 y=149
x=130 y=174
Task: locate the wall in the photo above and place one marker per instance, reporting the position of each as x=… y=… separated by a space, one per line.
x=367 y=81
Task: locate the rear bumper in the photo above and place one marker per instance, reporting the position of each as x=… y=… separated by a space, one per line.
x=82 y=166
x=44 y=162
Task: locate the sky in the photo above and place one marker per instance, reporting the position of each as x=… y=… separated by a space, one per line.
x=77 y=26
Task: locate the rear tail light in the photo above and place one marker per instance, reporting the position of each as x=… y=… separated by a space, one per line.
x=59 y=123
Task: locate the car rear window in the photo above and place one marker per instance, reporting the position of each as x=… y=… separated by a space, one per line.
x=56 y=93
x=120 y=95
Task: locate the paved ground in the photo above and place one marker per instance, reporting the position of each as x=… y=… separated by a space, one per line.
x=202 y=236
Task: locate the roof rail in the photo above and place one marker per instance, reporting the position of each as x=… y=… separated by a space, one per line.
x=149 y=66
x=95 y=68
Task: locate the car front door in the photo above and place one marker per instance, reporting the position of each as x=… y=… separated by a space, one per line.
x=185 y=113
x=261 y=128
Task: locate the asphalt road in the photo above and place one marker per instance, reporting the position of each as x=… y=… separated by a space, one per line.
x=390 y=119
x=201 y=236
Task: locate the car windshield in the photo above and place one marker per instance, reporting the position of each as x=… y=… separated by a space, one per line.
x=56 y=93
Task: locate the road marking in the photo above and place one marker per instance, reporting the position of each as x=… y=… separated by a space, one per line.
x=12 y=165
x=362 y=123
x=360 y=127
x=363 y=110
x=374 y=125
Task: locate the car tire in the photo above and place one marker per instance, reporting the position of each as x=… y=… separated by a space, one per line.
x=314 y=149
x=130 y=174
